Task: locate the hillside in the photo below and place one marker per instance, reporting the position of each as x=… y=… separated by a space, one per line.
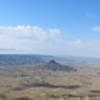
x=53 y=65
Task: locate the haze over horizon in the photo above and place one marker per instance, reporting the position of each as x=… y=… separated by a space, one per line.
x=50 y=27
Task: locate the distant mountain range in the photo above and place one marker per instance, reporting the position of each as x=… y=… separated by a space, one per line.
x=23 y=59
x=45 y=62
x=38 y=61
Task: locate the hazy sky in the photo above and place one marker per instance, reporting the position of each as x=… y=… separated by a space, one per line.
x=54 y=27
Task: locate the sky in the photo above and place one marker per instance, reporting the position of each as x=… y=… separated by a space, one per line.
x=50 y=27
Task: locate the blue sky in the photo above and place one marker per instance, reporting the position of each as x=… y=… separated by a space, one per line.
x=51 y=27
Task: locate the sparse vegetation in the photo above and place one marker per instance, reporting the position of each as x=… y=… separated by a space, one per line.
x=38 y=82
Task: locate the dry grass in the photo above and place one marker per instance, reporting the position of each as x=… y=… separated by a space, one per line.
x=17 y=83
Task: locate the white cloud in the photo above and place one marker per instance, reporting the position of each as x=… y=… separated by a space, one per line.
x=26 y=37
x=34 y=32
x=78 y=42
x=96 y=28
x=54 y=33
x=38 y=40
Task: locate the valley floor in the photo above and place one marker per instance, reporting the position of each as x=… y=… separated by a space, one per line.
x=27 y=83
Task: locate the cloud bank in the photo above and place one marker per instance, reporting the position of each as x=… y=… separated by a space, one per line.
x=29 y=39
x=39 y=40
